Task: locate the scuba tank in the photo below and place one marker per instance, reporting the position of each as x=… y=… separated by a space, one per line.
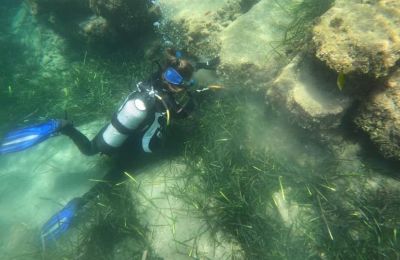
x=128 y=118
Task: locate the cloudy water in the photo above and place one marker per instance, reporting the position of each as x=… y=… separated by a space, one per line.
x=212 y=129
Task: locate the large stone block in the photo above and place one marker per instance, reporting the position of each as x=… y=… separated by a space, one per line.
x=379 y=117
x=309 y=94
x=194 y=25
x=360 y=37
x=96 y=21
x=248 y=45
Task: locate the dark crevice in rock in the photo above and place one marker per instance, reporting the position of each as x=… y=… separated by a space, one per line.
x=96 y=24
x=246 y=5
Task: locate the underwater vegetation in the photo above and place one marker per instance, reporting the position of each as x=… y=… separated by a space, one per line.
x=92 y=87
x=96 y=86
x=304 y=13
x=243 y=191
x=272 y=205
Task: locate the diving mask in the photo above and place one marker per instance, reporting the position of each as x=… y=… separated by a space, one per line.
x=173 y=77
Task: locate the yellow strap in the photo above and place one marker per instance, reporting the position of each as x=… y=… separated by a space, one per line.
x=166 y=108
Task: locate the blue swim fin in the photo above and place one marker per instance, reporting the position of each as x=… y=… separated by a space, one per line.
x=60 y=222
x=26 y=137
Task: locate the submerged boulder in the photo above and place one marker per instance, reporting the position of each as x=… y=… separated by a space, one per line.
x=95 y=28
x=308 y=93
x=379 y=117
x=248 y=45
x=57 y=6
x=360 y=37
x=125 y=16
x=248 y=36
x=194 y=25
x=42 y=48
x=95 y=21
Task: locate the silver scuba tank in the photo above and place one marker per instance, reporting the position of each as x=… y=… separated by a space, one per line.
x=130 y=116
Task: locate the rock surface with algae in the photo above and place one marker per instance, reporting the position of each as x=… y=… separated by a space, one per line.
x=244 y=34
x=194 y=25
x=96 y=21
x=309 y=95
x=248 y=45
x=379 y=117
x=360 y=37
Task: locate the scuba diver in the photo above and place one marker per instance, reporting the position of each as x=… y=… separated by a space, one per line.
x=138 y=125
x=144 y=115
x=141 y=119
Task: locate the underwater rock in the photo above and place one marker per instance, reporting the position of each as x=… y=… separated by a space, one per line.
x=39 y=7
x=43 y=48
x=309 y=95
x=379 y=117
x=125 y=16
x=244 y=34
x=95 y=21
x=248 y=45
x=194 y=25
x=95 y=28
x=360 y=37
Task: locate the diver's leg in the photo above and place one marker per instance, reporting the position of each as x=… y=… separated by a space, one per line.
x=81 y=141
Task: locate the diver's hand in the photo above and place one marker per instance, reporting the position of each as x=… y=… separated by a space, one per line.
x=210 y=87
x=209 y=65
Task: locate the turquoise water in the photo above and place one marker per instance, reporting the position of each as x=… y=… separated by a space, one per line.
x=270 y=165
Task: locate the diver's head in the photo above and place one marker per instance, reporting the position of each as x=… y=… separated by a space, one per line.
x=177 y=76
